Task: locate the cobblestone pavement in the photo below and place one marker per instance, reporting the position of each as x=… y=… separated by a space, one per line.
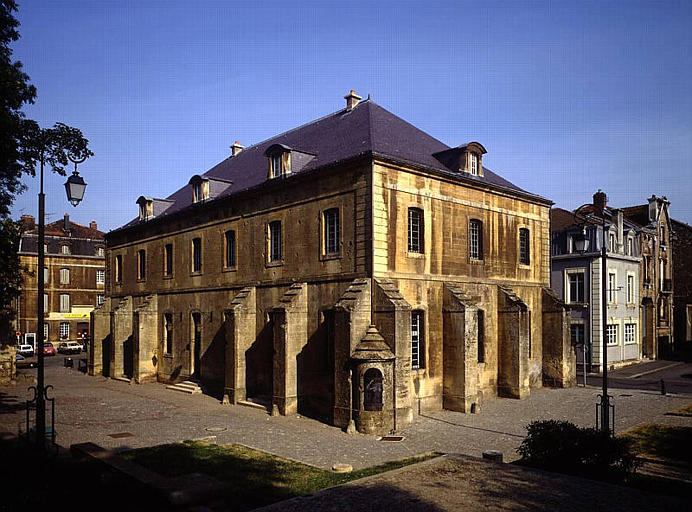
x=95 y=408
x=434 y=486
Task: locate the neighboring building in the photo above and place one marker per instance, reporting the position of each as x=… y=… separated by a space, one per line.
x=354 y=268
x=577 y=278
x=74 y=277
x=653 y=228
x=682 y=277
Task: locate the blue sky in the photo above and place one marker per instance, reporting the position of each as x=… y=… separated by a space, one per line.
x=567 y=97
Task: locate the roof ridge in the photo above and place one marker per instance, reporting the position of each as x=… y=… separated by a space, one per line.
x=314 y=121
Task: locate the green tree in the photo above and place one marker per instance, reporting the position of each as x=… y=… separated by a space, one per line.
x=24 y=148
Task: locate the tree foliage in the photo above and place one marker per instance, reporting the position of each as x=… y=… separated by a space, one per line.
x=25 y=147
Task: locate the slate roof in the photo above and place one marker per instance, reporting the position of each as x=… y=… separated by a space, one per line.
x=638 y=214
x=82 y=240
x=367 y=129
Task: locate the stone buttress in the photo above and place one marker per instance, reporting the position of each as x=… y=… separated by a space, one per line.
x=241 y=326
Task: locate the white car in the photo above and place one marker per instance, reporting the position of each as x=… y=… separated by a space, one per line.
x=25 y=350
x=70 y=347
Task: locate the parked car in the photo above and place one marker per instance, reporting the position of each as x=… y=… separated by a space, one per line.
x=25 y=362
x=25 y=350
x=70 y=347
x=48 y=349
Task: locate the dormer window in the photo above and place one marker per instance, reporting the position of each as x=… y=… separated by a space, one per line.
x=146 y=208
x=200 y=188
x=276 y=166
x=279 y=157
x=473 y=164
x=466 y=158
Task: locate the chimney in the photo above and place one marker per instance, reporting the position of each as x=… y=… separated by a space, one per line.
x=352 y=100
x=93 y=225
x=653 y=208
x=66 y=223
x=600 y=200
x=236 y=148
x=28 y=222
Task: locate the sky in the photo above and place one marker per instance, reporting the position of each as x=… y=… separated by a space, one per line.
x=568 y=97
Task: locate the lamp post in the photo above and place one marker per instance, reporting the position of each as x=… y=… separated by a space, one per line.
x=604 y=404
x=74 y=188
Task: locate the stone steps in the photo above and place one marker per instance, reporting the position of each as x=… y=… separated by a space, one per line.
x=189 y=387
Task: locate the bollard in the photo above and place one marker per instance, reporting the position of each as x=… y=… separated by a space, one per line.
x=68 y=362
x=663 y=387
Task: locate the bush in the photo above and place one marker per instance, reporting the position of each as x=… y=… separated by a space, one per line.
x=564 y=447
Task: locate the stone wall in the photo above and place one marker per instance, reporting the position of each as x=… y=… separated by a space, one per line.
x=8 y=364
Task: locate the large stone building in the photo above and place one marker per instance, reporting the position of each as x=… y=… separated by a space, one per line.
x=577 y=278
x=682 y=276
x=74 y=279
x=354 y=269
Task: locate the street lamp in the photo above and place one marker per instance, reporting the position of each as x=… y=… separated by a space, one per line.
x=604 y=404
x=74 y=187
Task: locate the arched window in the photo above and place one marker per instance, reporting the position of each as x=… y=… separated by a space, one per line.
x=372 y=383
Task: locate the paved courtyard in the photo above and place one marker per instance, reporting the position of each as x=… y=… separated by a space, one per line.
x=120 y=416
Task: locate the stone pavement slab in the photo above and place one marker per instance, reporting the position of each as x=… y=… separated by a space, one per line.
x=458 y=483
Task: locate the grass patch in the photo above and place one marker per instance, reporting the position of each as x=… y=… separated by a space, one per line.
x=661 y=441
x=683 y=411
x=256 y=478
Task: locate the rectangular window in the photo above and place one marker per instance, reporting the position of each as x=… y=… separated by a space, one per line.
x=630 y=333
x=64 y=302
x=141 y=264
x=473 y=163
x=168 y=330
x=46 y=307
x=276 y=166
x=196 y=254
x=45 y=274
x=100 y=299
x=45 y=332
x=99 y=251
x=119 y=268
x=275 y=241
x=168 y=260
x=331 y=231
x=476 y=240
x=415 y=230
x=229 y=249
x=64 y=330
x=100 y=277
x=630 y=247
x=612 y=334
x=577 y=334
x=481 y=336
x=612 y=287
x=196 y=192
x=611 y=242
x=630 y=289
x=64 y=276
x=524 y=247
x=417 y=346
x=575 y=289
x=65 y=249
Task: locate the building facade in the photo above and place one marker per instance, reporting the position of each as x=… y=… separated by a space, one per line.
x=577 y=278
x=354 y=269
x=681 y=242
x=74 y=279
x=653 y=227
